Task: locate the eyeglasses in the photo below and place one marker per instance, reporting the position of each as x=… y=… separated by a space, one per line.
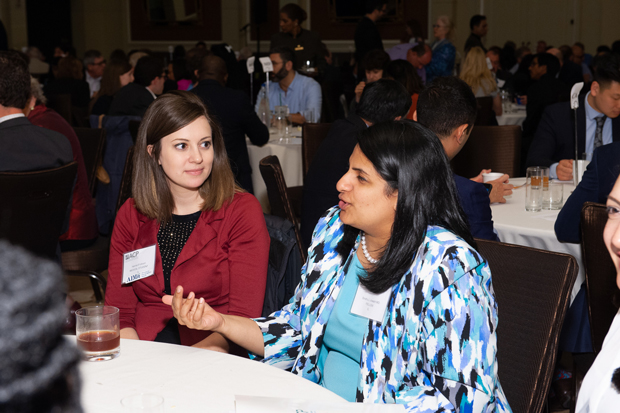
x=100 y=63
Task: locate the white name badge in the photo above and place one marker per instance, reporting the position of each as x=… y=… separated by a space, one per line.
x=370 y=305
x=267 y=65
x=138 y=264
x=250 y=64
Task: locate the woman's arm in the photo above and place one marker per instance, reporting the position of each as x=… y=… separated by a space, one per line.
x=129 y=333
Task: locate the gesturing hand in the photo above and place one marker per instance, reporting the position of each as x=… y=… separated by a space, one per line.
x=192 y=312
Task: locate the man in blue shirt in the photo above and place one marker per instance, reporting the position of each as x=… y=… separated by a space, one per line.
x=289 y=88
x=598 y=123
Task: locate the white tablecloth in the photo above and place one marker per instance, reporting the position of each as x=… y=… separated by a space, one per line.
x=189 y=379
x=289 y=155
x=515 y=225
x=516 y=117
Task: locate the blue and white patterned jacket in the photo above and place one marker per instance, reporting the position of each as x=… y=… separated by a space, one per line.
x=436 y=348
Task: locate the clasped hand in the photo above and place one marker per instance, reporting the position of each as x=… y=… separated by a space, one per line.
x=193 y=312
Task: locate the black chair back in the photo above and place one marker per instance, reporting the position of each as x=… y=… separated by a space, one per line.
x=61 y=104
x=34 y=207
x=125 y=190
x=312 y=135
x=92 y=142
x=532 y=288
x=601 y=284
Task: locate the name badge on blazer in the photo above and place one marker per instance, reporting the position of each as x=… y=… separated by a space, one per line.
x=299 y=47
x=138 y=264
x=370 y=305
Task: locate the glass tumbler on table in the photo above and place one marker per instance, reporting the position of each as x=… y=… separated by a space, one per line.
x=282 y=123
x=98 y=333
x=533 y=188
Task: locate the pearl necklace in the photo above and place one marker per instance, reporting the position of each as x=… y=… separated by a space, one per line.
x=365 y=250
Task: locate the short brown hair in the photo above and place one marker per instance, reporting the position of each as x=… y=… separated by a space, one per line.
x=168 y=114
x=70 y=67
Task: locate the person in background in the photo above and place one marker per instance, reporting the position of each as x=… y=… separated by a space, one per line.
x=193 y=60
x=94 y=63
x=116 y=75
x=82 y=231
x=367 y=36
x=375 y=63
x=403 y=72
x=493 y=55
x=398 y=236
x=381 y=101
x=419 y=56
x=206 y=232
x=39 y=366
x=305 y=43
x=541 y=46
x=578 y=57
x=412 y=35
x=70 y=80
x=177 y=72
x=135 y=97
x=475 y=73
x=479 y=28
x=600 y=389
x=444 y=52
x=289 y=88
x=235 y=114
x=520 y=53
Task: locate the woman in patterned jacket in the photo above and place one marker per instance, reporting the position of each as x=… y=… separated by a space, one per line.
x=395 y=305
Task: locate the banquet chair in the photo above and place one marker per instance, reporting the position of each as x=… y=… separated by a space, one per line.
x=490 y=147
x=34 y=207
x=486 y=115
x=92 y=142
x=600 y=272
x=312 y=135
x=61 y=104
x=532 y=289
x=125 y=191
x=134 y=126
x=277 y=193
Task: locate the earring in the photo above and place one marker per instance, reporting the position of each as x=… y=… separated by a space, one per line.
x=32 y=108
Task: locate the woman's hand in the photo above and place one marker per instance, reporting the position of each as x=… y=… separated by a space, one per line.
x=358 y=91
x=192 y=312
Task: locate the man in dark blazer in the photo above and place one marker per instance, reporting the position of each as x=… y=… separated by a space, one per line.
x=234 y=112
x=596 y=184
x=367 y=36
x=382 y=100
x=448 y=108
x=554 y=141
x=25 y=147
x=134 y=98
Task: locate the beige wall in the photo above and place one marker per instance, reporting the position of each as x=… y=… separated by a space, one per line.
x=13 y=15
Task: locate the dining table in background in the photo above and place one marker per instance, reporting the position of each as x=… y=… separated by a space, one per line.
x=189 y=379
x=515 y=117
x=515 y=225
x=288 y=152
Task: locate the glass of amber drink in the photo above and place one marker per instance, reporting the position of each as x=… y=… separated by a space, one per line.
x=98 y=333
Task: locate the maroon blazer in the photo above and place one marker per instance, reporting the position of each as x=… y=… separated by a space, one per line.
x=224 y=261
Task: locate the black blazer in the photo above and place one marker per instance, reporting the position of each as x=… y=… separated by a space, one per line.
x=131 y=100
x=235 y=114
x=555 y=137
x=26 y=147
x=330 y=163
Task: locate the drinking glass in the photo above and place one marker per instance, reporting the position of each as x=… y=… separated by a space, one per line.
x=545 y=186
x=533 y=188
x=555 y=195
x=579 y=167
x=309 y=116
x=143 y=403
x=98 y=333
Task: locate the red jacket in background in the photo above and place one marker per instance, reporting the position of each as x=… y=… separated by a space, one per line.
x=224 y=261
x=82 y=221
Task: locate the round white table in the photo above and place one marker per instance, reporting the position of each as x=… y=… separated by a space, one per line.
x=189 y=379
x=516 y=117
x=515 y=225
x=289 y=154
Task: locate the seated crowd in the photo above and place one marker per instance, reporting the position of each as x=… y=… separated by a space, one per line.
x=382 y=213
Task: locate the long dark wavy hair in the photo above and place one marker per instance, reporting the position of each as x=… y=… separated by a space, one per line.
x=412 y=161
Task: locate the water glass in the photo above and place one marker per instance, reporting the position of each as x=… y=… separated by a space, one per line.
x=98 y=333
x=545 y=186
x=309 y=116
x=554 y=196
x=533 y=188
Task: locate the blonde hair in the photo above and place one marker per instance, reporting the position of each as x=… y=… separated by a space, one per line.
x=475 y=73
x=168 y=114
x=445 y=20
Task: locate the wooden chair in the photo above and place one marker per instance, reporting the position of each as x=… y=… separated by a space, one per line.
x=600 y=272
x=486 y=115
x=278 y=196
x=312 y=135
x=61 y=104
x=490 y=147
x=532 y=288
x=92 y=142
x=125 y=190
x=34 y=207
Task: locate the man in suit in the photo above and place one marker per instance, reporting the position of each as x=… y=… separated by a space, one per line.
x=25 y=147
x=448 y=108
x=367 y=36
x=380 y=101
x=598 y=123
x=134 y=98
x=596 y=184
x=233 y=110
x=479 y=28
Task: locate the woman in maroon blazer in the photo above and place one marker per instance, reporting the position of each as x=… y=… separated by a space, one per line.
x=191 y=221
